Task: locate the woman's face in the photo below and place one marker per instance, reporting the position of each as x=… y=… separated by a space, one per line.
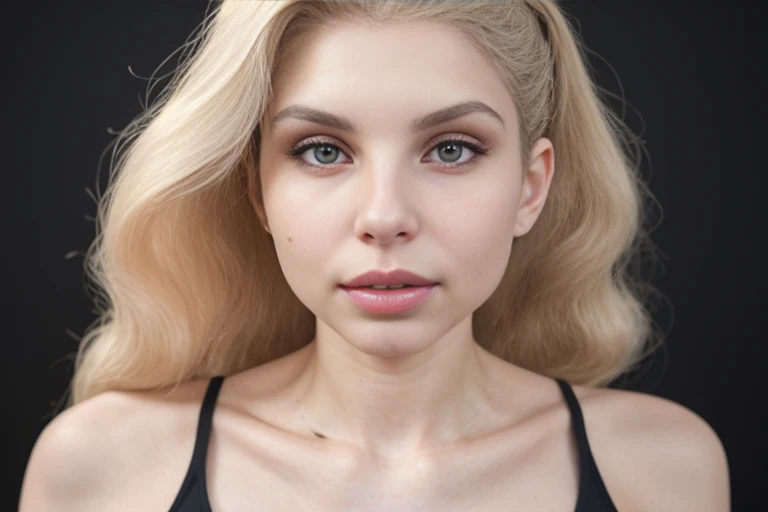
x=384 y=193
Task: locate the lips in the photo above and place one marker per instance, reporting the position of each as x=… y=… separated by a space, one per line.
x=394 y=301
x=395 y=277
x=371 y=287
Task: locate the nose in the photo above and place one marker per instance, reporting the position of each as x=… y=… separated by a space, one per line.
x=385 y=212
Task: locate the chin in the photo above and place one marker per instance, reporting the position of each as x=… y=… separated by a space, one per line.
x=389 y=346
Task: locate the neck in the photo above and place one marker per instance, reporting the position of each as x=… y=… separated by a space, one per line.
x=393 y=406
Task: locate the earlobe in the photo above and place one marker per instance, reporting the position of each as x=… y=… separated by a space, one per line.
x=261 y=214
x=254 y=195
x=263 y=219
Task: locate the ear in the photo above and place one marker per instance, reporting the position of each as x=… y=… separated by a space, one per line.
x=259 y=207
x=538 y=177
x=254 y=180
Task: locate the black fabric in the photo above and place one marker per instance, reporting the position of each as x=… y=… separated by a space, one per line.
x=193 y=495
x=593 y=496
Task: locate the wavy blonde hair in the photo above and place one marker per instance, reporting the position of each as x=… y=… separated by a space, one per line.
x=188 y=282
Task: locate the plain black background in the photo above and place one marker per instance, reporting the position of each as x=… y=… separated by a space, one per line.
x=691 y=72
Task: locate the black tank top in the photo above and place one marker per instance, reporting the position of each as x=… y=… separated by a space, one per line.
x=193 y=495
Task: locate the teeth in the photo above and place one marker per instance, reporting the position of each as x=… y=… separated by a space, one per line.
x=385 y=287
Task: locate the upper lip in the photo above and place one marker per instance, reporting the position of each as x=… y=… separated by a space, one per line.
x=397 y=276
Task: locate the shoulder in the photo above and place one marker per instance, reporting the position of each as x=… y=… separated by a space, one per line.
x=653 y=453
x=101 y=446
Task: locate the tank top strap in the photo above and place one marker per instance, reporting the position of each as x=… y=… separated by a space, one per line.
x=577 y=424
x=204 y=424
x=591 y=485
x=193 y=493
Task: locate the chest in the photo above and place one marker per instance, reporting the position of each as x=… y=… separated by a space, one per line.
x=544 y=478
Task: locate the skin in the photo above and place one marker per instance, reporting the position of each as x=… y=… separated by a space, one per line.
x=401 y=413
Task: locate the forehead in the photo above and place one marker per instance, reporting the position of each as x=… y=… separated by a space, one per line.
x=391 y=73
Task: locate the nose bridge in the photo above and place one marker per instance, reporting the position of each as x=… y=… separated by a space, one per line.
x=385 y=208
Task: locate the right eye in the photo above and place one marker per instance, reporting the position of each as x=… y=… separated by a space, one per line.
x=329 y=149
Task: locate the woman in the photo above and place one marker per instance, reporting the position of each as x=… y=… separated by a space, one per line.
x=308 y=151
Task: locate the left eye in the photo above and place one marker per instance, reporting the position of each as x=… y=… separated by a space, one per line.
x=330 y=151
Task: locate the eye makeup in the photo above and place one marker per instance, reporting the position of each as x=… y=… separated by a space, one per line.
x=456 y=141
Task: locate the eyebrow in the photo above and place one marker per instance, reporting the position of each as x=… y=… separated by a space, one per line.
x=342 y=123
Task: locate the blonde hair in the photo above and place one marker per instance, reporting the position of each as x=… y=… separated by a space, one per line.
x=188 y=281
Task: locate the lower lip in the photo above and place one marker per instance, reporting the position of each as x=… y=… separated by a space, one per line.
x=383 y=302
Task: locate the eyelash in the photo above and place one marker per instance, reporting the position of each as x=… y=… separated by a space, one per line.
x=296 y=152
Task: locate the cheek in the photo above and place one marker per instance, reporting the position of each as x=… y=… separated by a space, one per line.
x=304 y=245
x=304 y=261
x=479 y=235
x=295 y=207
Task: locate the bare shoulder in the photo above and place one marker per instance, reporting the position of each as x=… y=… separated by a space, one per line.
x=115 y=443
x=653 y=453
